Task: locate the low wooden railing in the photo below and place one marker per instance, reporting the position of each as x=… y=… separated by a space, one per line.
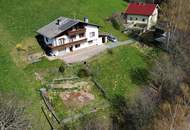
x=78 y=31
x=61 y=47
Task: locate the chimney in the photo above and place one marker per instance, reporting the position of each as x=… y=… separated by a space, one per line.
x=58 y=22
x=86 y=19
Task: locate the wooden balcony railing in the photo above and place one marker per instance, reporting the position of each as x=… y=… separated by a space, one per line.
x=61 y=47
x=78 y=31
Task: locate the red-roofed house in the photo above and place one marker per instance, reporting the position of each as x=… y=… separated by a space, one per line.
x=142 y=14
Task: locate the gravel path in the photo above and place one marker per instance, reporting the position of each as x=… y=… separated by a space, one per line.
x=113 y=45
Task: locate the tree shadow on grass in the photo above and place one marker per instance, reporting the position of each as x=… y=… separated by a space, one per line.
x=139 y=76
x=121 y=118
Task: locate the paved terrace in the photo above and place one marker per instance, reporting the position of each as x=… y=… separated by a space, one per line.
x=86 y=53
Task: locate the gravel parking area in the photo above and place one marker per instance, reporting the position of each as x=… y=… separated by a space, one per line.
x=83 y=54
x=89 y=52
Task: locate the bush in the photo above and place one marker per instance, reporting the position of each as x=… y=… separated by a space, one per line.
x=83 y=73
x=19 y=47
x=115 y=24
x=110 y=51
x=62 y=68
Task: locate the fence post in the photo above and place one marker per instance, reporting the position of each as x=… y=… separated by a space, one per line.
x=52 y=128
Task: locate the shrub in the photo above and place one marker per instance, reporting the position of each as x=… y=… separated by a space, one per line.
x=115 y=24
x=62 y=68
x=83 y=73
x=110 y=51
x=19 y=47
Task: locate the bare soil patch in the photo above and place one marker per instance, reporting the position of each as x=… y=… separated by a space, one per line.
x=79 y=96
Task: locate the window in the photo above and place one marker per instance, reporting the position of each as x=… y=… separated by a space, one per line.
x=143 y=19
x=73 y=37
x=90 y=41
x=47 y=39
x=77 y=45
x=136 y=18
x=92 y=34
x=61 y=41
x=81 y=35
x=131 y=18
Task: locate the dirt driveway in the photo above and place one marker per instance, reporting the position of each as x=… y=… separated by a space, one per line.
x=83 y=54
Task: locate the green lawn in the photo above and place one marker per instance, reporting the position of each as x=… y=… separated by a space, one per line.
x=19 y=19
x=23 y=17
x=122 y=72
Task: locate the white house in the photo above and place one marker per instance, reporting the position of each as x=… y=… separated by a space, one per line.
x=67 y=35
x=141 y=15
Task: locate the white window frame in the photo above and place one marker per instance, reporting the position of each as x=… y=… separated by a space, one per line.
x=83 y=35
x=61 y=41
x=92 y=34
x=77 y=45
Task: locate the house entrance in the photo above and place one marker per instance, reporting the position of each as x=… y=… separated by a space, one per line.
x=71 y=48
x=103 y=39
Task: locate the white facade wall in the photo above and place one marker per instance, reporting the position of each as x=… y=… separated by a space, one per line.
x=137 y=19
x=95 y=39
x=153 y=19
x=91 y=40
x=90 y=29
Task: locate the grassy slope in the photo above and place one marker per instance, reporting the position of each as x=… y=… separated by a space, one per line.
x=24 y=17
x=121 y=72
x=19 y=19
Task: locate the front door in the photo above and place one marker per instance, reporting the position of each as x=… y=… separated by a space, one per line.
x=71 y=48
x=103 y=39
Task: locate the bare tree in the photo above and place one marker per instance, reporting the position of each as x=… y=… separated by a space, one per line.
x=166 y=77
x=95 y=121
x=175 y=14
x=12 y=115
x=171 y=116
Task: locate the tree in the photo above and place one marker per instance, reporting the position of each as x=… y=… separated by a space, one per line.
x=172 y=116
x=117 y=21
x=62 y=68
x=135 y=115
x=84 y=72
x=175 y=15
x=12 y=114
x=165 y=78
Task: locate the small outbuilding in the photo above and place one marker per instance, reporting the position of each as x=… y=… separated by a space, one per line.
x=141 y=15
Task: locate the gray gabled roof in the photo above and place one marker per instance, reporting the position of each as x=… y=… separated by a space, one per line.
x=52 y=29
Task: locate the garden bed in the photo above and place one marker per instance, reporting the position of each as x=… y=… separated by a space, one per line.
x=77 y=96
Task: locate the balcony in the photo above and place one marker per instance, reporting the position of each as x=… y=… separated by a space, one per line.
x=61 y=47
x=77 y=31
